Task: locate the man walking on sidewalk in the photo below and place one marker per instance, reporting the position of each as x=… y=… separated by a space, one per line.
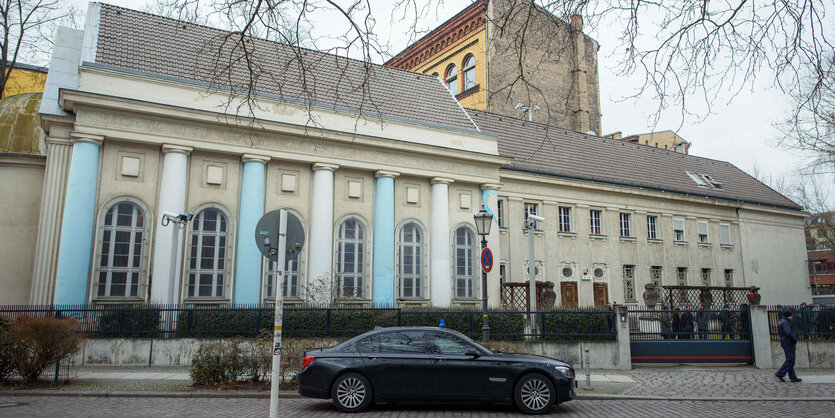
x=788 y=341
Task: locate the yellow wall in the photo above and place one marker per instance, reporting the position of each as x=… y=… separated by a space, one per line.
x=663 y=139
x=474 y=44
x=24 y=81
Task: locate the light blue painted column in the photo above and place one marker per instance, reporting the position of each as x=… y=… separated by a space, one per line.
x=247 y=255
x=76 y=246
x=383 y=272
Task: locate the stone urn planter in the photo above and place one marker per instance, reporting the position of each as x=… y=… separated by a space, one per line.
x=650 y=295
x=549 y=296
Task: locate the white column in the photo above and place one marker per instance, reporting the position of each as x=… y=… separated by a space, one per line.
x=320 y=242
x=49 y=224
x=439 y=271
x=172 y=198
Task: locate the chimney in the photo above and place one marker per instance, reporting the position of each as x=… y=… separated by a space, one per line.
x=579 y=87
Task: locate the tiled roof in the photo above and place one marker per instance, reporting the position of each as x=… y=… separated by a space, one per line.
x=536 y=148
x=144 y=42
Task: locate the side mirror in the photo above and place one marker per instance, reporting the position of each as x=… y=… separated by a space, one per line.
x=473 y=353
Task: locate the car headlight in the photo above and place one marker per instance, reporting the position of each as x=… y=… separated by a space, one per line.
x=567 y=372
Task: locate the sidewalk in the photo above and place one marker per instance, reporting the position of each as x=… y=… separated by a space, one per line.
x=649 y=383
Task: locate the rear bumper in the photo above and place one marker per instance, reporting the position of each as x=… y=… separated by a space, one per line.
x=314 y=384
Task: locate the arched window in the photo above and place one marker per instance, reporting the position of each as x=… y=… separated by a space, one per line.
x=463 y=262
x=350 y=259
x=452 y=79
x=410 y=257
x=207 y=263
x=292 y=268
x=469 y=72
x=120 y=260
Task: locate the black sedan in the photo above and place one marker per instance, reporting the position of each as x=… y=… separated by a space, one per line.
x=431 y=365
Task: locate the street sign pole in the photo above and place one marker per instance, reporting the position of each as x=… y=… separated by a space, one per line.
x=278 y=289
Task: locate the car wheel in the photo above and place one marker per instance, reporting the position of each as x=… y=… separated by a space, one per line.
x=351 y=392
x=534 y=394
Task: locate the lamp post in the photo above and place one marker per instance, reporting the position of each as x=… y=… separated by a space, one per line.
x=483 y=222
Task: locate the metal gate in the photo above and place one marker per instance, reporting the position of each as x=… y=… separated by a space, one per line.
x=691 y=336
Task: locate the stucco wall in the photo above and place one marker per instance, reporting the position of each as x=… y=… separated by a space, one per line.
x=21 y=184
x=775 y=256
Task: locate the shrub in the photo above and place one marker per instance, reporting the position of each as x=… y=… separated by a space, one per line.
x=217 y=363
x=575 y=326
x=38 y=342
x=210 y=323
x=129 y=322
x=6 y=366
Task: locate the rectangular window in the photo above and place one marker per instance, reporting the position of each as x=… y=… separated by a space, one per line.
x=625 y=225
x=701 y=227
x=652 y=227
x=655 y=276
x=500 y=213
x=503 y=269
x=565 y=219
x=678 y=229
x=706 y=277
x=725 y=234
x=532 y=209
x=681 y=273
x=729 y=278
x=596 y=222
x=629 y=283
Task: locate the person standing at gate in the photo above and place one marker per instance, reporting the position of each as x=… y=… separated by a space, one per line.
x=789 y=342
x=728 y=320
x=688 y=322
x=666 y=323
x=702 y=321
x=678 y=325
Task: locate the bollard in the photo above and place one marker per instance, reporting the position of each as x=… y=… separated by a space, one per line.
x=588 y=371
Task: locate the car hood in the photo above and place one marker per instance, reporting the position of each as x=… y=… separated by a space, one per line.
x=532 y=358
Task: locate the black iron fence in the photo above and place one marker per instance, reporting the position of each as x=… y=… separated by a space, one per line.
x=812 y=322
x=683 y=324
x=184 y=321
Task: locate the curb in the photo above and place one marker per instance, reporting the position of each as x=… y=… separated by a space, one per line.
x=294 y=395
x=603 y=397
x=196 y=395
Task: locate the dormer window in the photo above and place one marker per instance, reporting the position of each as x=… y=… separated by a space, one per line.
x=698 y=179
x=704 y=180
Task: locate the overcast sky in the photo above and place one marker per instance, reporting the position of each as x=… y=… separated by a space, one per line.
x=739 y=130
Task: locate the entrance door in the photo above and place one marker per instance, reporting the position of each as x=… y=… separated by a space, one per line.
x=601 y=294
x=569 y=294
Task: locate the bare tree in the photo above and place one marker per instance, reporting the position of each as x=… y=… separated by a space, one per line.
x=27 y=27
x=812 y=194
x=811 y=126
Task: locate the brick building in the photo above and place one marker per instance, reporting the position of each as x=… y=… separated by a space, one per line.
x=477 y=55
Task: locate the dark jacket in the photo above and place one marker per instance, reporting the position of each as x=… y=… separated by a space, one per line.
x=687 y=321
x=787 y=337
x=702 y=319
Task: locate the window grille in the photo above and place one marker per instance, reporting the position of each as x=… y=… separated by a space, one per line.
x=655 y=276
x=729 y=278
x=629 y=283
x=350 y=255
x=121 y=251
x=706 y=277
x=207 y=264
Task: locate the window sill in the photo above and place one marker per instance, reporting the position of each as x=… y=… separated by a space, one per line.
x=598 y=236
x=682 y=243
x=469 y=92
x=117 y=300
x=536 y=232
x=567 y=234
x=503 y=230
x=286 y=299
x=205 y=300
x=655 y=240
x=628 y=239
x=705 y=244
x=727 y=246
x=466 y=301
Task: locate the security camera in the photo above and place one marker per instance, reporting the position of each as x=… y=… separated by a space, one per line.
x=185 y=217
x=178 y=218
x=536 y=218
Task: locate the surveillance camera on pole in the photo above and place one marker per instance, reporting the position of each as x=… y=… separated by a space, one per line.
x=181 y=219
x=530 y=225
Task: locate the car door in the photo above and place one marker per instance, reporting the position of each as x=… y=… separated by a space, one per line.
x=462 y=376
x=397 y=363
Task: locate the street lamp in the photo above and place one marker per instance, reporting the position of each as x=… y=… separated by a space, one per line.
x=483 y=222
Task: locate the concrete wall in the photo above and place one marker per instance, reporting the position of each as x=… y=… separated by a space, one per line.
x=21 y=183
x=179 y=351
x=812 y=354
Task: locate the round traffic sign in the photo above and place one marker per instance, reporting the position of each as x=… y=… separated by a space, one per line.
x=266 y=235
x=486 y=260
